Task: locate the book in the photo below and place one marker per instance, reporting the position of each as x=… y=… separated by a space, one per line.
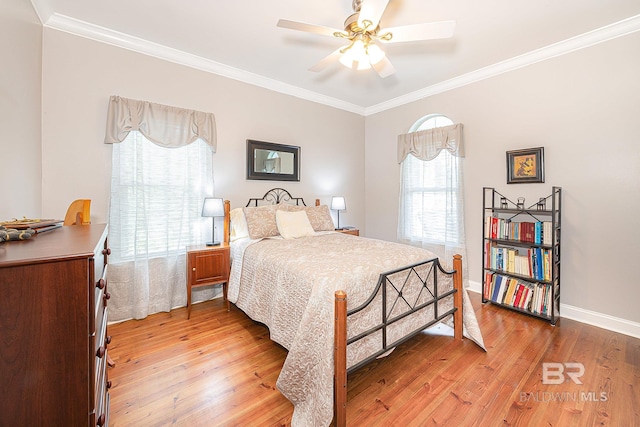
x=547 y=237
x=537 y=238
x=494 y=227
x=510 y=292
x=504 y=282
x=496 y=287
x=519 y=293
x=488 y=282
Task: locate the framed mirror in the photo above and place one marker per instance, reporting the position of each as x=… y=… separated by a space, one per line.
x=273 y=162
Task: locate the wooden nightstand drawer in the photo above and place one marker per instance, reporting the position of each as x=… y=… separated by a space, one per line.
x=206 y=266
x=209 y=266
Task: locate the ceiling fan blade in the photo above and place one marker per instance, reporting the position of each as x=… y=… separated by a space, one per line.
x=384 y=68
x=309 y=28
x=426 y=31
x=371 y=10
x=327 y=60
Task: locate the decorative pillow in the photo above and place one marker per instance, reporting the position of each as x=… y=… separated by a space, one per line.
x=261 y=221
x=293 y=225
x=290 y=208
x=320 y=218
x=239 y=228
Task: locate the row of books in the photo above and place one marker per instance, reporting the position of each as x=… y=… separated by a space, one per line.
x=538 y=233
x=532 y=262
x=533 y=297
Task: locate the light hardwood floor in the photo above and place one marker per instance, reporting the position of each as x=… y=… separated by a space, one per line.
x=220 y=368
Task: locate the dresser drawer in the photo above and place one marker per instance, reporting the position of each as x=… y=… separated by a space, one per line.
x=101 y=383
x=101 y=402
x=98 y=283
x=100 y=298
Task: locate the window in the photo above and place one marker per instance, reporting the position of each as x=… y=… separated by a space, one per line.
x=157 y=196
x=162 y=169
x=431 y=213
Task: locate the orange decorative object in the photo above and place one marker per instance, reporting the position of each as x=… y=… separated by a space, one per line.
x=79 y=213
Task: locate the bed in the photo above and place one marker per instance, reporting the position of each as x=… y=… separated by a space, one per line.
x=334 y=301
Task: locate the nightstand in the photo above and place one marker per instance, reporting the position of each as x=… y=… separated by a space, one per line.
x=207 y=266
x=352 y=231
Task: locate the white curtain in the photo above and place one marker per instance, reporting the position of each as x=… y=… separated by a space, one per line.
x=431 y=213
x=155 y=213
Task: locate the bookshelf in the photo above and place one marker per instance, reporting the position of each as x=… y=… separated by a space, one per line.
x=521 y=253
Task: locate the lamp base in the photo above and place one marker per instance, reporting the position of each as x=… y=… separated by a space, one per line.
x=213 y=243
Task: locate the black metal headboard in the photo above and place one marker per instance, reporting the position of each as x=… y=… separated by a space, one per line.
x=275 y=196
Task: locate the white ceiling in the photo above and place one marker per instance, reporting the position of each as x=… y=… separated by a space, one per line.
x=239 y=39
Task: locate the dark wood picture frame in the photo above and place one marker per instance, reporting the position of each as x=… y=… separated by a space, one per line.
x=289 y=154
x=525 y=166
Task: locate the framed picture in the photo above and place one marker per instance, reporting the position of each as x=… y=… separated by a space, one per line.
x=525 y=165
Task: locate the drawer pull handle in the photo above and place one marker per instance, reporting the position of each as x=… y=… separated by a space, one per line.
x=101 y=351
x=107 y=340
x=106 y=251
x=108 y=384
x=107 y=296
x=100 y=284
x=101 y=419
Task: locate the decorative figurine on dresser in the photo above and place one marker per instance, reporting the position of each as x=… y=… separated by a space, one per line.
x=53 y=328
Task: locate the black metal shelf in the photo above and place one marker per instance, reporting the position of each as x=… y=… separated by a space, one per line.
x=518 y=243
x=522 y=277
x=497 y=205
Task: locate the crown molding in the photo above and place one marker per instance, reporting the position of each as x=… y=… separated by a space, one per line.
x=126 y=41
x=591 y=38
x=115 y=38
x=43 y=10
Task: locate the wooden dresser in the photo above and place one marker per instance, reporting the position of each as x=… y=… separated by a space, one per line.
x=53 y=329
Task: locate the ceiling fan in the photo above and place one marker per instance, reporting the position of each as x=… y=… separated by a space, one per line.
x=362 y=31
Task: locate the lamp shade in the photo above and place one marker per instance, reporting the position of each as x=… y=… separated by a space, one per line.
x=338 y=203
x=213 y=207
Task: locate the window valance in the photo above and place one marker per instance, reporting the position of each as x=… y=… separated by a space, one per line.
x=166 y=126
x=427 y=144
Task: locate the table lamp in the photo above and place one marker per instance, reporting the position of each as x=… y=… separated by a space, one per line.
x=214 y=208
x=338 y=204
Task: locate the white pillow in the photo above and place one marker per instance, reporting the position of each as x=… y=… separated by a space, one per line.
x=293 y=225
x=319 y=216
x=239 y=229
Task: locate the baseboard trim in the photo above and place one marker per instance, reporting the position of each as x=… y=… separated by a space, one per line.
x=593 y=318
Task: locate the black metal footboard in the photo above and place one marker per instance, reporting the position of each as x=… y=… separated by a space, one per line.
x=404 y=292
x=410 y=294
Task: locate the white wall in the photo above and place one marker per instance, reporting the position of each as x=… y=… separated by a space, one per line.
x=81 y=74
x=20 y=74
x=583 y=108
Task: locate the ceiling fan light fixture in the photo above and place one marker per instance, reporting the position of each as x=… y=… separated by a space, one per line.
x=365 y=33
x=375 y=53
x=355 y=56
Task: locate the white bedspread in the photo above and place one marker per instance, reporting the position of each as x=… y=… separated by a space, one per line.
x=289 y=286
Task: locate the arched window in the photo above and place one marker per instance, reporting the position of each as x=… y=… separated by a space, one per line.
x=431 y=213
